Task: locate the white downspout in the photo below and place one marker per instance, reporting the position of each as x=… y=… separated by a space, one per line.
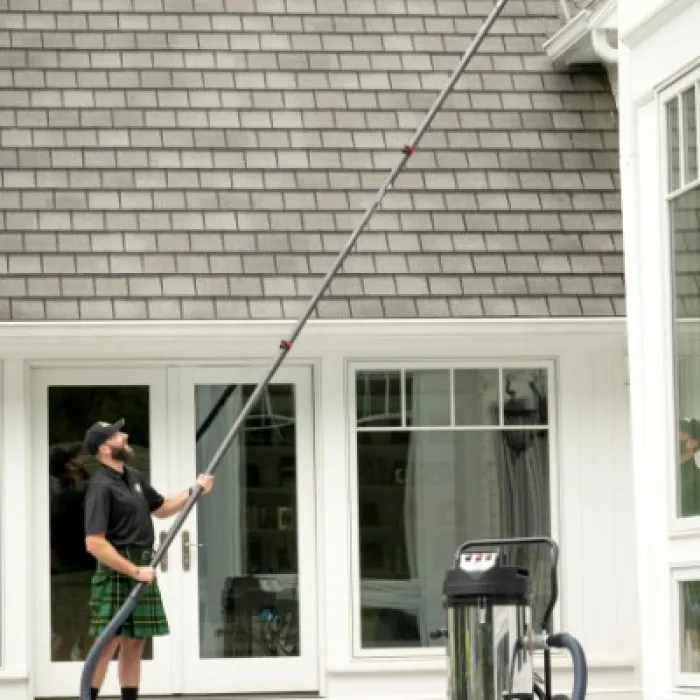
x=608 y=54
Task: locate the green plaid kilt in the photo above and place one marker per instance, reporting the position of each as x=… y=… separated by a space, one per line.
x=109 y=589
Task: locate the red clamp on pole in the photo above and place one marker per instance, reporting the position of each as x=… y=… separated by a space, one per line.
x=408 y=149
x=285 y=345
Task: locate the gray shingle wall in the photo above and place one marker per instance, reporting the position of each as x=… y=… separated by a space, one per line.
x=207 y=159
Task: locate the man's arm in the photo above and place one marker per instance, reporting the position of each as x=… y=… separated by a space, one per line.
x=103 y=551
x=97 y=506
x=170 y=504
x=164 y=506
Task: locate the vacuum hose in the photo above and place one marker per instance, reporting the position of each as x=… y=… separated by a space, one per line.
x=566 y=641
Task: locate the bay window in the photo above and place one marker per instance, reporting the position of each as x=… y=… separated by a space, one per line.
x=442 y=455
x=682 y=115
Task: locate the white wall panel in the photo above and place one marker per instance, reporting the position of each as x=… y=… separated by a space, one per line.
x=599 y=597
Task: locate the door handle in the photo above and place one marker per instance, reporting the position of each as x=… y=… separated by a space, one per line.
x=186 y=544
x=164 y=560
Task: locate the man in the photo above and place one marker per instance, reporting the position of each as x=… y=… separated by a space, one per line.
x=119 y=533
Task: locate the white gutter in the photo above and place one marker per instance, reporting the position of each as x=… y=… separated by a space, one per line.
x=585 y=38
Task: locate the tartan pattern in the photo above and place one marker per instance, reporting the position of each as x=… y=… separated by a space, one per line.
x=109 y=590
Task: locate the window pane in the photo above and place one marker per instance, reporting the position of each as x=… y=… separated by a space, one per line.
x=423 y=493
x=685 y=216
x=476 y=397
x=525 y=397
x=428 y=398
x=247 y=556
x=690 y=135
x=71 y=410
x=378 y=399
x=690 y=626
x=673 y=144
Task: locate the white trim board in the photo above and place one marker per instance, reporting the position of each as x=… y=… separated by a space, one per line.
x=260 y=339
x=653 y=21
x=10 y=330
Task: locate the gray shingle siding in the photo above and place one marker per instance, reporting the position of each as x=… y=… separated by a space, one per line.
x=208 y=158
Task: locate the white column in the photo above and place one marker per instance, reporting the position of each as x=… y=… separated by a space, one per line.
x=650 y=377
x=15 y=546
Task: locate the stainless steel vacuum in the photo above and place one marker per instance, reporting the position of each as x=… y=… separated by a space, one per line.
x=492 y=634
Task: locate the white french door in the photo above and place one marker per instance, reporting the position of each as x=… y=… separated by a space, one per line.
x=246 y=553
x=239 y=580
x=64 y=403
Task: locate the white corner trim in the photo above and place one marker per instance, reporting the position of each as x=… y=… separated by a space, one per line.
x=653 y=21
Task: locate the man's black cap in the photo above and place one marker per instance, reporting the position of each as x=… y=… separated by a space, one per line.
x=98 y=432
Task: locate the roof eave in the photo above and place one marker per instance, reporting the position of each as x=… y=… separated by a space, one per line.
x=588 y=37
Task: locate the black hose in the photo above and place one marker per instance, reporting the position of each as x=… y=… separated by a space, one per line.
x=563 y=640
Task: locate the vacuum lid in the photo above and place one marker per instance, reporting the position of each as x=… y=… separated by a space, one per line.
x=481 y=575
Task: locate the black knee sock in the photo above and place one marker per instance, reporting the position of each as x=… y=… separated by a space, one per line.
x=94 y=692
x=130 y=693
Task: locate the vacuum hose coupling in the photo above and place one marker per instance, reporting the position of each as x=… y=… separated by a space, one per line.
x=563 y=640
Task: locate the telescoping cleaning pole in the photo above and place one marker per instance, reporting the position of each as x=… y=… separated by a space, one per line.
x=285 y=346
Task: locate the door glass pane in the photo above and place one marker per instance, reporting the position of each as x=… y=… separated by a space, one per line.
x=247 y=546
x=71 y=410
x=690 y=626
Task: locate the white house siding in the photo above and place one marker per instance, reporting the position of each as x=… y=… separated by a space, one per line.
x=659 y=48
x=179 y=161
x=592 y=476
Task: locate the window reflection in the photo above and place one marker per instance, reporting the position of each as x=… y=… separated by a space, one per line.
x=690 y=626
x=71 y=565
x=71 y=409
x=247 y=554
x=422 y=492
x=685 y=214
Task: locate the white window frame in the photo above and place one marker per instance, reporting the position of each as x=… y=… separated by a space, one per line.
x=352 y=368
x=683 y=533
x=680 y=574
x=4 y=596
x=679 y=527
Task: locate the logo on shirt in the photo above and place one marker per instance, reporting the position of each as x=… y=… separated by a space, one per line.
x=137 y=488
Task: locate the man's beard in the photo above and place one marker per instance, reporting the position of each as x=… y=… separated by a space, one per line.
x=121 y=454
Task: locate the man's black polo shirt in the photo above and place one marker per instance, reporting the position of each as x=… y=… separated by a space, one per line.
x=120 y=505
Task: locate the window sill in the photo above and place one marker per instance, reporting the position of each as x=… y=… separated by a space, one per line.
x=396 y=664
x=8 y=674
x=438 y=664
